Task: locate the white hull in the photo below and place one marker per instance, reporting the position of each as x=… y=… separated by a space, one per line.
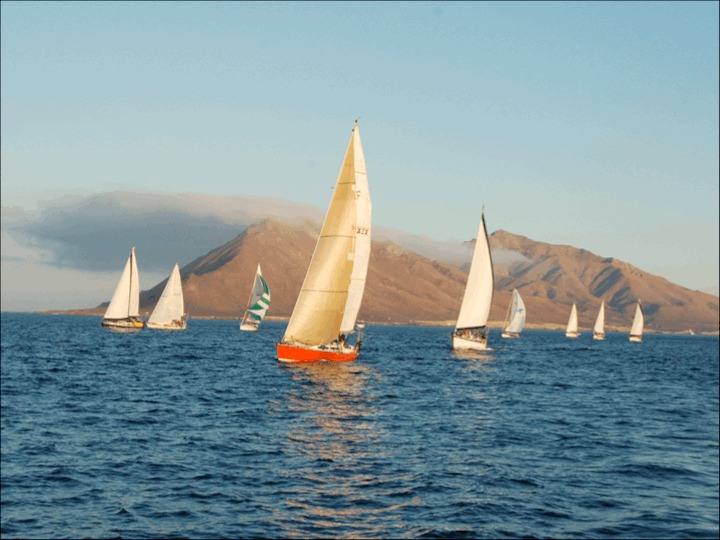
x=249 y=327
x=460 y=343
x=572 y=334
x=510 y=335
x=599 y=337
x=160 y=326
x=636 y=339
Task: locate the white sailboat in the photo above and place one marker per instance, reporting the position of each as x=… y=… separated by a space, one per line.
x=123 y=312
x=637 y=326
x=169 y=312
x=258 y=303
x=516 y=315
x=471 y=328
x=572 y=326
x=599 y=328
x=327 y=307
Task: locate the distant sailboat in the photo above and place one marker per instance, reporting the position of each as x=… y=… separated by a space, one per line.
x=516 y=316
x=169 y=312
x=471 y=332
x=327 y=307
x=572 y=326
x=599 y=328
x=258 y=303
x=123 y=312
x=637 y=326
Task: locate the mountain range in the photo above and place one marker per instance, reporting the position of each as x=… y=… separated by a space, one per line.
x=405 y=287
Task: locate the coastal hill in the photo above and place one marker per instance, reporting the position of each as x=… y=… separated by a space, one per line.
x=404 y=287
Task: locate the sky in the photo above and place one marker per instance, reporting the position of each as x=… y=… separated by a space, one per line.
x=593 y=124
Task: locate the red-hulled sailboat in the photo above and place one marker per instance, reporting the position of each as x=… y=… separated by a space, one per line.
x=327 y=308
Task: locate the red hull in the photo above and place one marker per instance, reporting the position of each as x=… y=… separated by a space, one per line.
x=301 y=355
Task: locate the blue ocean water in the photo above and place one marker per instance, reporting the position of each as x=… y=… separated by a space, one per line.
x=203 y=434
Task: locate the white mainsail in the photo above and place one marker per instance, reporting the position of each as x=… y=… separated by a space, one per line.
x=517 y=314
x=171 y=306
x=599 y=328
x=332 y=291
x=125 y=301
x=572 y=325
x=258 y=304
x=475 y=307
x=638 y=322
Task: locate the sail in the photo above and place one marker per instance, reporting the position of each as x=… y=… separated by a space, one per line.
x=475 y=307
x=572 y=325
x=599 y=327
x=517 y=314
x=171 y=306
x=125 y=301
x=259 y=301
x=361 y=256
x=320 y=310
x=638 y=322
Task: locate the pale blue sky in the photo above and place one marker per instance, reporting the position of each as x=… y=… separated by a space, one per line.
x=591 y=124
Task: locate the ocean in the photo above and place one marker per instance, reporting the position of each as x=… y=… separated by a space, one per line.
x=204 y=434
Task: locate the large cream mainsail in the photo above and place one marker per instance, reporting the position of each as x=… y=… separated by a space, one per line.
x=475 y=308
x=327 y=301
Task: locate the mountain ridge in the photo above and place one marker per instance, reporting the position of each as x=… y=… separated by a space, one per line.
x=404 y=287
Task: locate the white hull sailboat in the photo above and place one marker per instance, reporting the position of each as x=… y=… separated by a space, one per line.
x=258 y=303
x=599 y=328
x=516 y=316
x=471 y=332
x=327 y=307
x=572 y=326
x=169 y=312
x=123 y=312
x=637 y=326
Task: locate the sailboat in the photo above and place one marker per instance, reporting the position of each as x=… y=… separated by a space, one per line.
x=572 y=326
x=169 y=312
x=471 y=328
x=258 y=303
x=637 y=326
x=516 y=315
x=122 y=313
x=599 y=328
x=327 y=307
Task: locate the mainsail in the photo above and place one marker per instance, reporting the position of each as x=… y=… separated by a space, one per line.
x=599 y=328
x=572 y=325
x=332 y=291
x=125 y=301
x=475 y=307
x=258 y=303
x=170 y=308
x=517 y=314
x=638 y=322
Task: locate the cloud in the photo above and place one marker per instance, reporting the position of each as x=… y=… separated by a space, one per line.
x=95 y=233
